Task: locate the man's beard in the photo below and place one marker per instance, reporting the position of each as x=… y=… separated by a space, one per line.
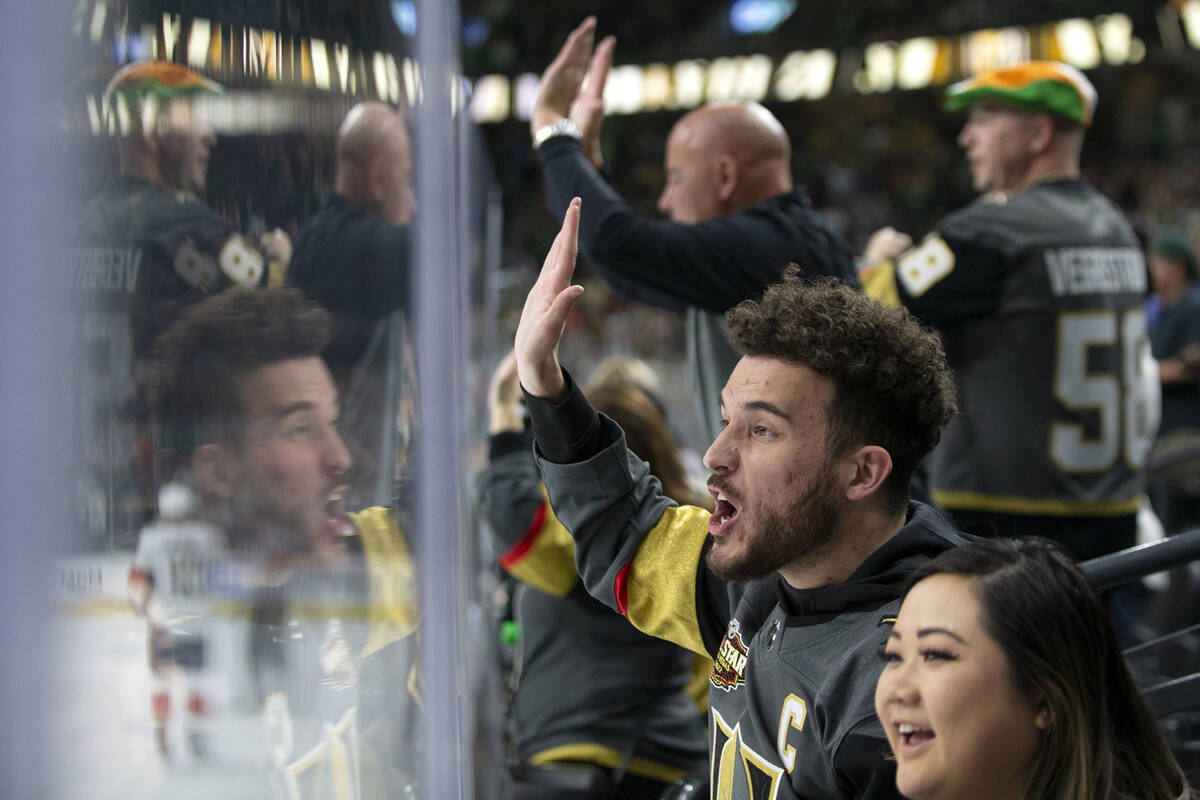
x=804 y=529
x=261 y=527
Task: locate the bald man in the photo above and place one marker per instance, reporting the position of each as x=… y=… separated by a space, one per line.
x=736 y=218
x=352 y=258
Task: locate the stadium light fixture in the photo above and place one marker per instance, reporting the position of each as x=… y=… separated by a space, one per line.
x=759 y=16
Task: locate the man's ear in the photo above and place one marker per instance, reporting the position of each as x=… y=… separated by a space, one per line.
x=727 y=177
x=871 y=466
x=1041 y=133
x=215 y=469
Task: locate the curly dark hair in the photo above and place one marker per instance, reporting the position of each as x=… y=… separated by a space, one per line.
x=196 y=364
x=892 y=387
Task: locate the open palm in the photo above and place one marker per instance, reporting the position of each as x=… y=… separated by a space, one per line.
x=545 y=313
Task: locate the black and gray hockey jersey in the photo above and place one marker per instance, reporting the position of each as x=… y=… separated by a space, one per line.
x=592 y=688
x=1040 y=302
x=791 y=696
x=149 y=253
x=324 y=705
x=139 y=256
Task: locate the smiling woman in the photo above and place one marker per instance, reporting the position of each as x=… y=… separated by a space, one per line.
x=1003 y=679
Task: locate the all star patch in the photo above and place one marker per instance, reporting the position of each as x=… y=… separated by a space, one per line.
x=729 y=667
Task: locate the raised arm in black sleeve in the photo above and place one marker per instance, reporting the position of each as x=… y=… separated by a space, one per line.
x=569 y=431
x=711 y=265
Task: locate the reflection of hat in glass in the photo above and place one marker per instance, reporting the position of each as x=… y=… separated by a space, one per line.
x=1046 y=86
x=1172 y=242
x=161 y=79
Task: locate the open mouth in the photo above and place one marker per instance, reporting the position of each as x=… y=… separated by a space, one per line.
x=336 y=519
x=914 y=736
x=724 y=513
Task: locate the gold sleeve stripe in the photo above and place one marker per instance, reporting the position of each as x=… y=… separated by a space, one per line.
x=391 y=577
x=880 y=282
x=608 y=757
x=657 y=590
x=545 y=556
x=1004 y=504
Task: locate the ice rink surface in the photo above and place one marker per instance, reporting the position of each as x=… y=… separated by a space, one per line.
x=100 y=683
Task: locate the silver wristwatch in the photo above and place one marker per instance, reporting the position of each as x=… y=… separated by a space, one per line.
x=560 y=127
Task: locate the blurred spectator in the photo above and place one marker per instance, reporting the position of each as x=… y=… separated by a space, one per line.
x=736 y=217
x=1037 y=290
x=241 y=391
x=595 y=699
x=1175 y=329
x=148 y=233
x=1175 y=342
x=147 y=247
x=1004 y=678
x=352 y=257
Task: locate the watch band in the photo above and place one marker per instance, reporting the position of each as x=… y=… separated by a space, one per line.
x=560 y=127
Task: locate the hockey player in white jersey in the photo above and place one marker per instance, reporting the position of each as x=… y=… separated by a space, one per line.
x=169 y=584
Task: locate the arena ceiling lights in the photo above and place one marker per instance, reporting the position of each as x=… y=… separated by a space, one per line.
x=232 y=53
x=878 y=67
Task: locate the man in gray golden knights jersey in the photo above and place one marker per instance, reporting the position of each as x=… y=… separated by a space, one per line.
x=792 y=582
x=1037 y=289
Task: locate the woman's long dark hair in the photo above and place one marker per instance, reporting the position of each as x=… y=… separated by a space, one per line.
x=647 y=435
x=1102 y=742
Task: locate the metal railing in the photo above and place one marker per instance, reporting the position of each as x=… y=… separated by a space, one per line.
x=1130 y=564
x=1176 y=694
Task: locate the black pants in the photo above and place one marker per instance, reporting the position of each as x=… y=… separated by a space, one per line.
x=578 y=781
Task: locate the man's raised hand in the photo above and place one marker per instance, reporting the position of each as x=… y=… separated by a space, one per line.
x=561 y=80
x=885 y=244
x=545 y=313
x=587 y=112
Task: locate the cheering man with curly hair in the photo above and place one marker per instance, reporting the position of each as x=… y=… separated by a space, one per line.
x=791 y=583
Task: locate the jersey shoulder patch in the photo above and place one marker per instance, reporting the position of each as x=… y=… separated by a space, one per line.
x=926 y=264
x=240 y=262
x=197 y=268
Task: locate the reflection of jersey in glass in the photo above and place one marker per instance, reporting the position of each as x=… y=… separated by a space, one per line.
x=160 y=251
x=338 y=683
x=141 y=256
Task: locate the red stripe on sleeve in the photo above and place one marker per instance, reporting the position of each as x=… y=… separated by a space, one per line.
x=621 y=591
x=522 y=548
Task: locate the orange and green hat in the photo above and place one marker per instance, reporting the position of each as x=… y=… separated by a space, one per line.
x=163 y=80
x=1047 y=86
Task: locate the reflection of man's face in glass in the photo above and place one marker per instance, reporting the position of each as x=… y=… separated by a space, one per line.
x=183 y=147
x=290 y=463
x=399 y=203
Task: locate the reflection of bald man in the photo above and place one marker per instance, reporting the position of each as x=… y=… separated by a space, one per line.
x=352 y=258
x=353 y=255
x=735 y=216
